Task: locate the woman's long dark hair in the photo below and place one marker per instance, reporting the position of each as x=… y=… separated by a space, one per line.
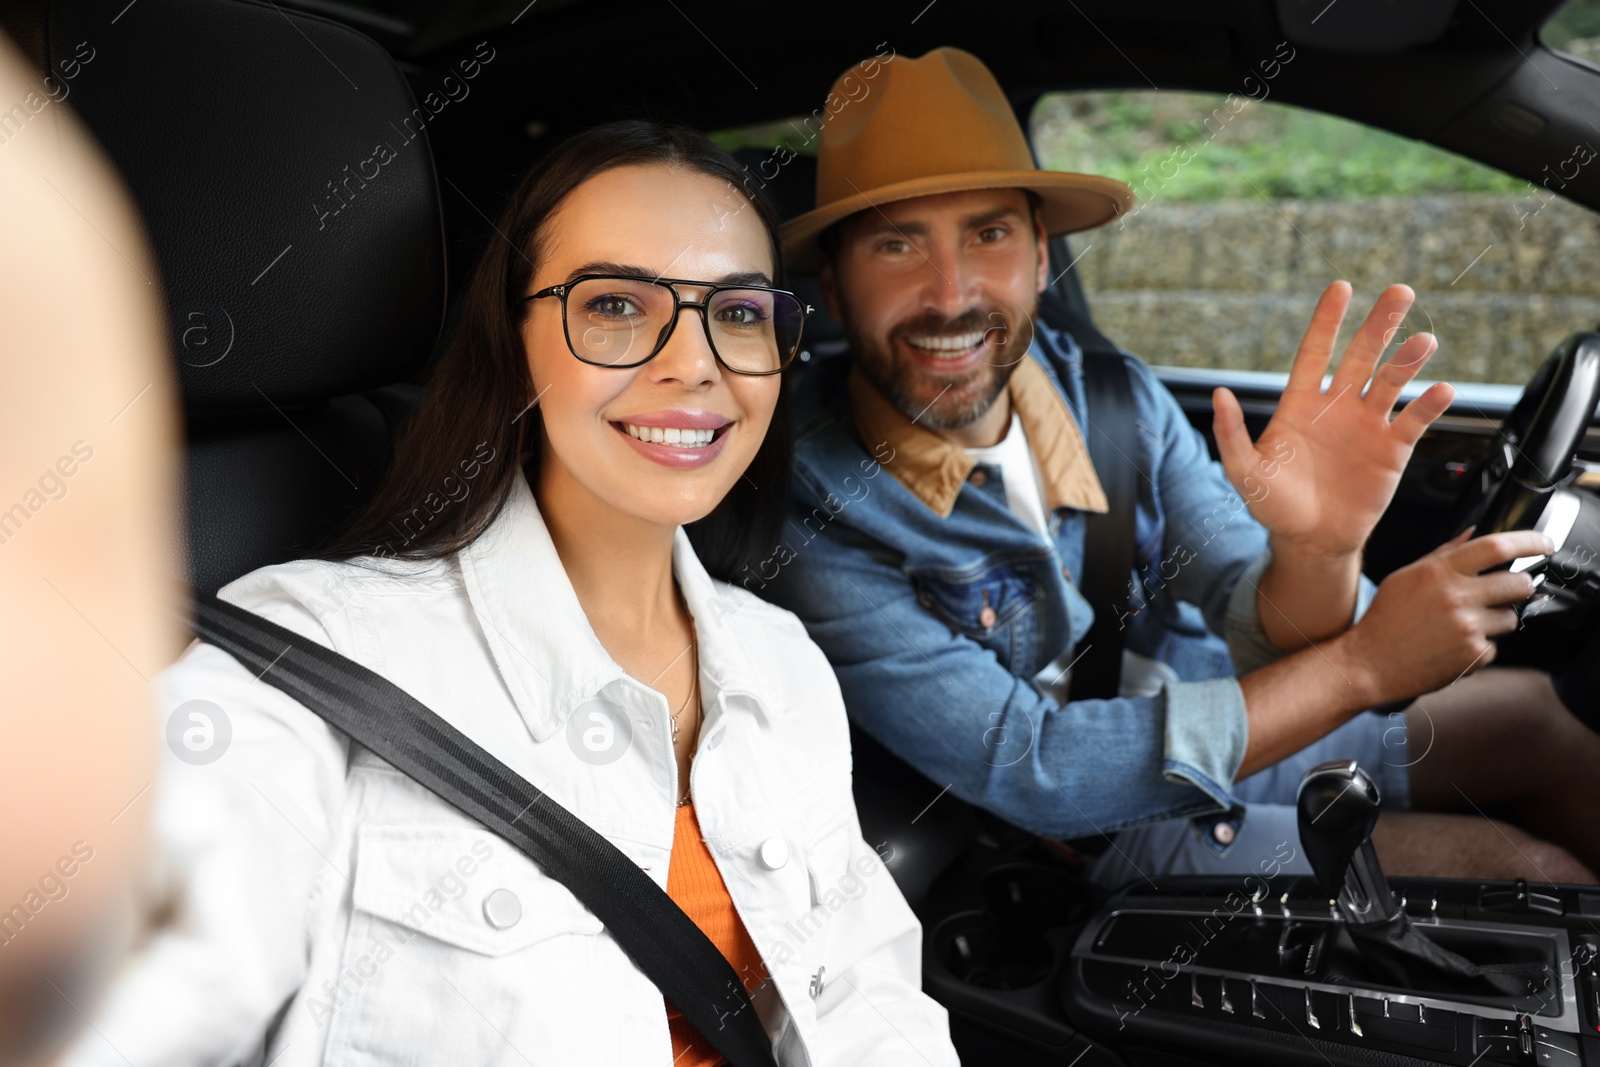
x=456 y=463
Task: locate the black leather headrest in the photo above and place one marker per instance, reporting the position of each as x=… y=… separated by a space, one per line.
x=283 y=172
x=791 y=186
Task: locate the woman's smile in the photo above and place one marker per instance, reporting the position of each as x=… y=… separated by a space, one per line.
x=676 y=438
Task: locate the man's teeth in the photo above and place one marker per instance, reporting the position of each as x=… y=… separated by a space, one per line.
x=670 y=435
x=948 y=347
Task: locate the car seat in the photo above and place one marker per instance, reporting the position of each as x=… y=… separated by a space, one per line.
x=301 y=276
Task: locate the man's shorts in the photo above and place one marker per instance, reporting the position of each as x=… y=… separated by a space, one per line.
x=1265 y=837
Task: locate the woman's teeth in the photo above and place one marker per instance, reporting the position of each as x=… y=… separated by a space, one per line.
x=670 y=435
x=948 y=347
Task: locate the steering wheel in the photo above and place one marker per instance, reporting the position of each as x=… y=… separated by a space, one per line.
x=1533 y=451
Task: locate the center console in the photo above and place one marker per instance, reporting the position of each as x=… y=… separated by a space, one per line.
x=1037 y=966
x=1271 y=976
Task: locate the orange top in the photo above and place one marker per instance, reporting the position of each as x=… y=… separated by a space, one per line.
x=696 y=886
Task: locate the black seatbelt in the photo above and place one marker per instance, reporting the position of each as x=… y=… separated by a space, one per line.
x=1107 y=538
x=1113 y=441
x=655 y=933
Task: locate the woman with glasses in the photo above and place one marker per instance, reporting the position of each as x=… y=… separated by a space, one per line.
x=600 y=450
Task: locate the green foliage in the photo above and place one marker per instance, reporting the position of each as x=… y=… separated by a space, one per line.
x=770 y=136
x=1248 y=150
x=1578 y=20
x=1194 y=147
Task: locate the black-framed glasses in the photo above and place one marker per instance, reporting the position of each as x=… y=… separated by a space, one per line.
x=618 y=320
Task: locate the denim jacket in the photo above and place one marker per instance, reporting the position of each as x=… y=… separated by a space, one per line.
x=935 y=623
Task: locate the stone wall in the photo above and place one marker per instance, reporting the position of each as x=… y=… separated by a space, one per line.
x=1500 y=281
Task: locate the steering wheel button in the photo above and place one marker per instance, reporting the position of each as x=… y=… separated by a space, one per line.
x=502 y=909
x=774 y=853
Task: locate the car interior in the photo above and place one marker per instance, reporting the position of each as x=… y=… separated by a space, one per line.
x=306 y=296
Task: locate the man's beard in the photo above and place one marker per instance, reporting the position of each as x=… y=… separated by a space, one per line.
x=942 y=403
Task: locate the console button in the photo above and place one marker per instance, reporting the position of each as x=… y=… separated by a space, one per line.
x=1280 y=1002
x=1497 y=1040
x=1225 y=1001
x=1328 y=1012
x=1555 y=1047
x=1499 y=1050
x=1382 y=1019
x=1369 y=1007
x=1519 y=898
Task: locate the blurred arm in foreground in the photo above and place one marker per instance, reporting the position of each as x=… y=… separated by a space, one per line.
x=88 y=499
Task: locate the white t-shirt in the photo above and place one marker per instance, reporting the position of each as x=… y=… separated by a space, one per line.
x=1141 y=675
x=1023 y=485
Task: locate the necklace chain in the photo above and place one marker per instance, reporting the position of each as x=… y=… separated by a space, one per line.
x=694 y=688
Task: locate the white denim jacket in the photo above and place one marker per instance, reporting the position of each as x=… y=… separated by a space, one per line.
x=310 y=873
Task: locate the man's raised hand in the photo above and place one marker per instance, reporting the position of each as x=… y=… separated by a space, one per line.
x=1328 y=463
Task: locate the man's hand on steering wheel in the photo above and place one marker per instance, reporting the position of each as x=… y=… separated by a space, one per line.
x=1436 y=618
x=1327 y=464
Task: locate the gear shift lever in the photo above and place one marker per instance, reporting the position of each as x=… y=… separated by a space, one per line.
x=1338 y=806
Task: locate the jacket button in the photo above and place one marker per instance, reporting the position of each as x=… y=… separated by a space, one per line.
x=502 y=909
x=774 y=853
x=977 y=477
x=986 y=617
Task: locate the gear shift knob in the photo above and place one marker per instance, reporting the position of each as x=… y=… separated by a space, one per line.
x=1338 y=807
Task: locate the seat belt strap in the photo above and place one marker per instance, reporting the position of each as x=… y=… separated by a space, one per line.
x=1108 y=548
x=378 y=715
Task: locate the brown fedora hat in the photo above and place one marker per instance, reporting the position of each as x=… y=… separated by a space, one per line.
x=937 y=124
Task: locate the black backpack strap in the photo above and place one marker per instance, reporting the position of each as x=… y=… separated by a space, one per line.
x=655 y=933
x=1108 y=539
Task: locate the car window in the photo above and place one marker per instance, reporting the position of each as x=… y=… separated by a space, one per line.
x=797 y=135
x=1248 y=208
x=1575 y=30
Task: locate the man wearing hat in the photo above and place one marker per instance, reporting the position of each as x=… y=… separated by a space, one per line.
x=947 y=594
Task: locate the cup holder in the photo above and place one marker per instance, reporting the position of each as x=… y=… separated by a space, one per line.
x=1005 y=946
x=974 y=949
x=1023 y=896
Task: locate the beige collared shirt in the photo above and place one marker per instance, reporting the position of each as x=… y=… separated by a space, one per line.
x=934 y=468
